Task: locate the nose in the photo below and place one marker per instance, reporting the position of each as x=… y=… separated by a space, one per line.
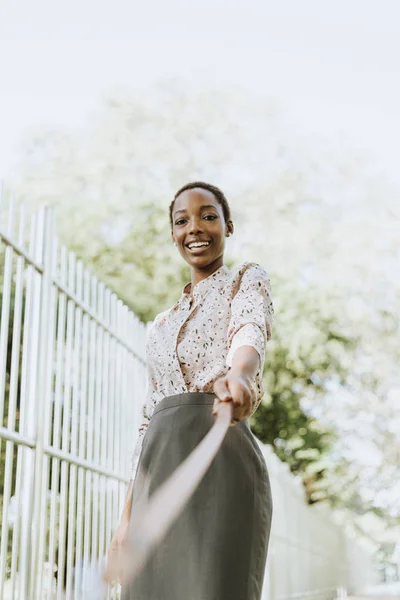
x=195 y=225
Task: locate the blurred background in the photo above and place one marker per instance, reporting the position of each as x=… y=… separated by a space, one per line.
x=293 y=109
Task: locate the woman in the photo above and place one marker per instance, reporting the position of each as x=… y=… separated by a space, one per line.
x=208 y=348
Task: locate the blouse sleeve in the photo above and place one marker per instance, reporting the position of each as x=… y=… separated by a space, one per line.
x=251 y=313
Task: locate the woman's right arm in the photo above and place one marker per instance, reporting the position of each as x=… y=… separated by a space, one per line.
x=126 y=511
x=118 y=542
x=120 y=535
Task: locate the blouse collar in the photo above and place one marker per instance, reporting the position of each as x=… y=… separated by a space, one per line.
x=202 y=287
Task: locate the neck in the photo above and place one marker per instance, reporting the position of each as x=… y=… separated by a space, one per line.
x=200 y=274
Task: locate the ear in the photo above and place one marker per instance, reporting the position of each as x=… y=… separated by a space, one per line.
x=229 y=228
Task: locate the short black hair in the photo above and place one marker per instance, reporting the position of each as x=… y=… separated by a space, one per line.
x=219 y=196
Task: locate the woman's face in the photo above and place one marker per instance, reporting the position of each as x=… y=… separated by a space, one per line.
x=199 y=228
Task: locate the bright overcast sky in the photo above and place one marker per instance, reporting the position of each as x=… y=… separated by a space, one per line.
x=334 y=65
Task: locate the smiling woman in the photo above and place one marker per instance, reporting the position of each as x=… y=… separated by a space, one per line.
x=206 y=349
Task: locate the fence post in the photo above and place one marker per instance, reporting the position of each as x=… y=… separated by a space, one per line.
x=43 y=392
x=28 y=400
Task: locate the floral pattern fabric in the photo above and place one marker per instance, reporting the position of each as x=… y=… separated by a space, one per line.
x=192 y=344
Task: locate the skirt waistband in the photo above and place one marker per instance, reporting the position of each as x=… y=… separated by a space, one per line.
x=187 y=398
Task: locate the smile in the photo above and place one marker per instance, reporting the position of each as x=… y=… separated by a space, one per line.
x=198 y=245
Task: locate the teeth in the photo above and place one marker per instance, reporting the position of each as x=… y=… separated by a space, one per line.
x=198 y=244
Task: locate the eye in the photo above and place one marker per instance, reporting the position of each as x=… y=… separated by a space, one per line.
x=212 y=217
x=179 y=221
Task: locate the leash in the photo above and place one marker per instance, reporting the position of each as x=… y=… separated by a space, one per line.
x=152 y=518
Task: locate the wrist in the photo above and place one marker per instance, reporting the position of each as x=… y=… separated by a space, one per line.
x=240 y=371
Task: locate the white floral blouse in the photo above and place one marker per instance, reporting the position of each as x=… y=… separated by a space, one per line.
x=192 y=344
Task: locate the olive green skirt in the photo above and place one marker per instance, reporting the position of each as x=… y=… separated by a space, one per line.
x=217 y=548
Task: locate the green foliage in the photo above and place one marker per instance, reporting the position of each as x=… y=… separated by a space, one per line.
x=306 y=213
x=142 y=267
x=111 y=213
x=317 y=354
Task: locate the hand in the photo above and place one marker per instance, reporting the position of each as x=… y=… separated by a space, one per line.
x=116 y=550
x=235 y=387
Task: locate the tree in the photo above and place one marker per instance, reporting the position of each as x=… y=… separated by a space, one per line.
x=308 y=214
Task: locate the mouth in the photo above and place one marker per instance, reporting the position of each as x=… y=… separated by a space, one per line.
x=198 y=247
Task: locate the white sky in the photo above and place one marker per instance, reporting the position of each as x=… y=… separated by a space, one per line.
x=334 y=65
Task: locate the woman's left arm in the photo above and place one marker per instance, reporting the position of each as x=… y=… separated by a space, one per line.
x=236 y=385
x=249 y=329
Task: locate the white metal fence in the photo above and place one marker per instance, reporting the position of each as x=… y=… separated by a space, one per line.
x=72 y=378
x=310 y=557
x=72 y=375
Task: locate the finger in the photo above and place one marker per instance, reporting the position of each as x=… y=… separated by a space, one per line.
x=237 y=393
x=221 y=389
x=215 y=406
x=241 y=411
x=238 y=413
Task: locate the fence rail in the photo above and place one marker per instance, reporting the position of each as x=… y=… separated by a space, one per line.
x=329 y=593
x=72 y=379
